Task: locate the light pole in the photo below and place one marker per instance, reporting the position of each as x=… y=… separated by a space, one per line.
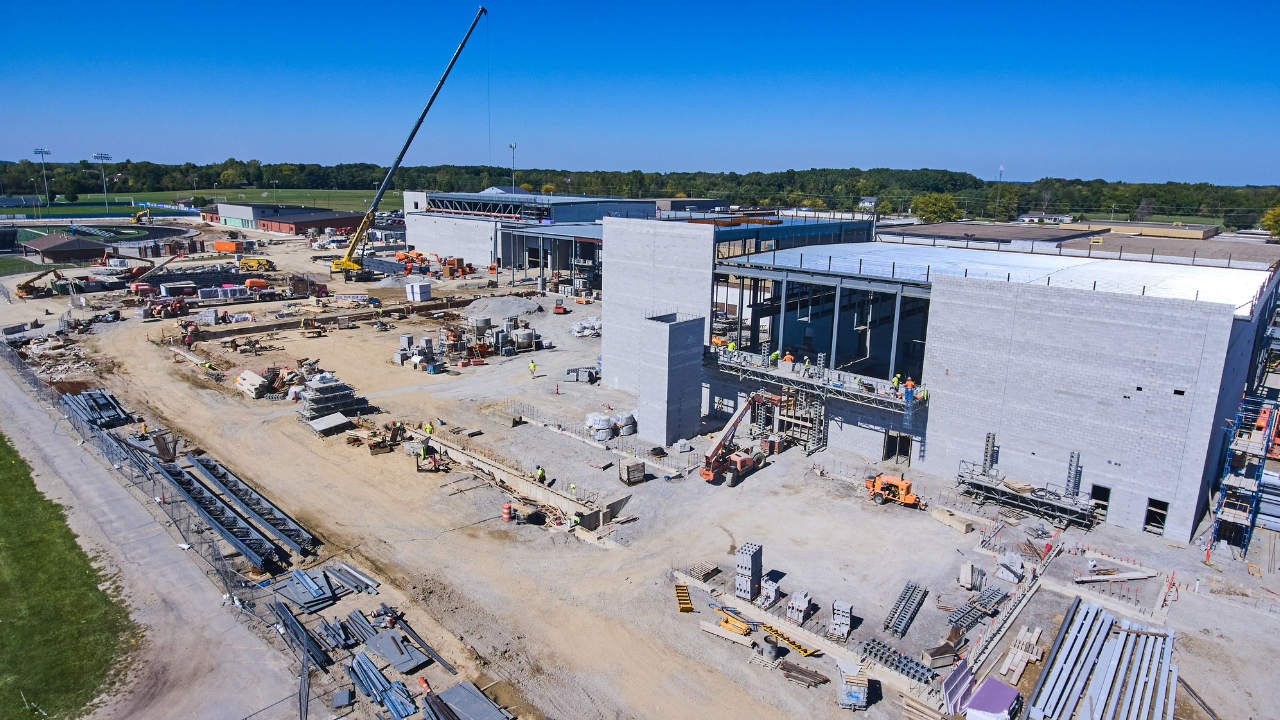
x=103 y=158
x=275 y=191
x=35 y=188
x=513 y=168
x=42 y=152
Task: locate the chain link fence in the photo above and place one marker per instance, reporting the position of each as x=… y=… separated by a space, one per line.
x=129 y=464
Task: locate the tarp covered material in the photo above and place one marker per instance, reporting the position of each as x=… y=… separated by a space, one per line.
x=329 y=423
x=994 y=700
x=470 y=704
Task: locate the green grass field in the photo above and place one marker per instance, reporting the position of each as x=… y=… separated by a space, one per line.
x=60 y=634
x=17 y=266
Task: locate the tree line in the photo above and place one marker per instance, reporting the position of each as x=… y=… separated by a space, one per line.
x=897 y=191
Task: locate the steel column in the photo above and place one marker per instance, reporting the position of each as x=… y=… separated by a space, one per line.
x=835 y=326
x=897 y=314
x=782 y=320
x=741 y=292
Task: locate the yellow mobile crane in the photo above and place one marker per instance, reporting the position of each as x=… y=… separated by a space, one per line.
x=351 y=265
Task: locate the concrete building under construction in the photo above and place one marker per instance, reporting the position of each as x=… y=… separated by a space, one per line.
x=1104 y=382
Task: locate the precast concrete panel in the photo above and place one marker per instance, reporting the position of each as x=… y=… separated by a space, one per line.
x=467 y=238
x=650 y=267
x=670 y=356
x=414 y=201
x=1131 y=382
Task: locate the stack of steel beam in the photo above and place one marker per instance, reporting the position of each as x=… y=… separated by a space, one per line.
x=990 y=599
x=905 y=609
x=253 y=504
x=965 y=617
x=99 y=408
x=1091 y=672
x=896 y=661
x=298 y=635
x=352 y=579
x=218 y=515
x=394 y=696
x=310 y=590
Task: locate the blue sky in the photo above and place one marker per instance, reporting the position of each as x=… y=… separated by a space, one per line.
x=1142 y=92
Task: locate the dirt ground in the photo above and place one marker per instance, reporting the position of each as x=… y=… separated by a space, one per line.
x=571 y=629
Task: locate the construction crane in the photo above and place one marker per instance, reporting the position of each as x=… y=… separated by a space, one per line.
x=351 y=264
x=724 y=456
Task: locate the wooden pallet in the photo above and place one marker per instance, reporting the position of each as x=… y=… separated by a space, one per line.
x=682 y=597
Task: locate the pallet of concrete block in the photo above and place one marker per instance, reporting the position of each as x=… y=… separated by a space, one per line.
x=582 y=374
x=631 y=472
x=252 y=384
x=99 y=408
x=208 y=316
x=417 y=292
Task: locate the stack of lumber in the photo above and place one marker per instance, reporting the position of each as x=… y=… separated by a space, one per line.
x=801 y=675
x=1022 y=651
x=913 y=709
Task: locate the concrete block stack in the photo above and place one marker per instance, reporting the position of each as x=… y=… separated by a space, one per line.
x=798 y=608
x=750 y=562
x=841 y=621
x=326 y=394
x=768 y=594
x=417 y=292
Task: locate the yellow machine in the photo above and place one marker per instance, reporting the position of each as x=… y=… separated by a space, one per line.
x=256 y=265
x=138 y=217
x=351 y=264
x=733 y=621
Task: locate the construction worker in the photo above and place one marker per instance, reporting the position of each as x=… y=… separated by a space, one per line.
x=542 y=476
x=806 y=363
x=910 y=384
x=732 y=346
x=573 y=488
x=896 y=381
x=430 y=428
x=788 y=358
x=773 y=359
x=533 y=367
x=226 y=319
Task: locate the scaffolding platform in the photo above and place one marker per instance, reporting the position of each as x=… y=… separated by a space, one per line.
x=985 y=485
x=825 y=383
x=1250 y=438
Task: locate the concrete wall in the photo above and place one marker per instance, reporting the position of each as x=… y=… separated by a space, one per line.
x=670 y=355
x=650 y=268
x=1056 y=370
x=410 y=198
x=469 y=239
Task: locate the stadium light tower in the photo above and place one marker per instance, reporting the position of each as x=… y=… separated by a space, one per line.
x=103 y=158
x=42 y=152
x=513 y=169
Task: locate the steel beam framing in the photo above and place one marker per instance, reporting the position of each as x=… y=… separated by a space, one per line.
x=244 y=537
x=762 y=374
x=252 y=503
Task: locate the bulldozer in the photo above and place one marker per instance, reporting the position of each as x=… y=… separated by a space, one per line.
x=885 y=488
x=256 y=265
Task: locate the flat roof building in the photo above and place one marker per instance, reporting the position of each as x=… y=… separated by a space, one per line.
x=1133 y=366
x=1177 y=229
x=248 y=215
x=299 y=223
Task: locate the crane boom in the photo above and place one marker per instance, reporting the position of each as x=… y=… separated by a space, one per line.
x=349 y=261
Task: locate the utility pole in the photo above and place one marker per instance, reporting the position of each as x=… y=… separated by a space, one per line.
x=513 y=168
x=999 y=180
x=42 y=152
x=102 y=158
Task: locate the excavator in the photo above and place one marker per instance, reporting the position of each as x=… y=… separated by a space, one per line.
x=29 y=289
x=351 y=264
x=138 y=217
x=724 y=457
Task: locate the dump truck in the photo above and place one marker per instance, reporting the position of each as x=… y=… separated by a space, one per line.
x=884 y=488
